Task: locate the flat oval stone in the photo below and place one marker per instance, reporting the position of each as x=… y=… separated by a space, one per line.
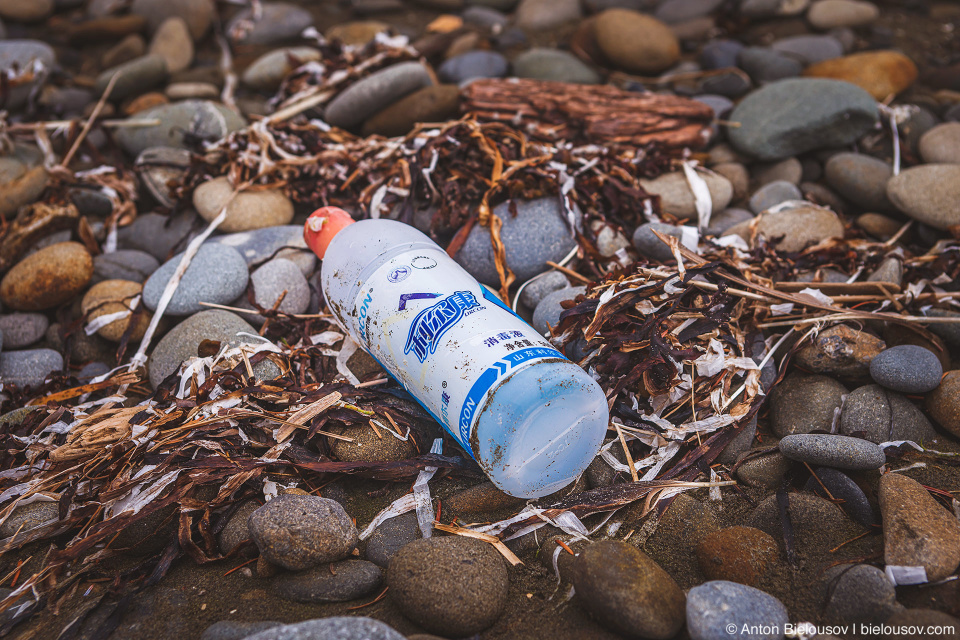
x=880 y=73
x=208 y=120
x=22 y=329
x=676 y=197
x=941 y=144
x=48 y=278
x=378 y=90
x=267 y=72
x=552 y=64
x=216 y=274
x=30 y=367
x=796 y=115
x=337 y=628
x=715 y=608
x=246 y=211
x=907 y=368
x=548 y=309
x=334 y=582
x=928 y=193
x=158 y=235
x=772 y=194
x=635 y=42
x=134 y=77
x=832 y=14
x=391 y=536
x=473 y=64
x=841 y=452
x=796 y=227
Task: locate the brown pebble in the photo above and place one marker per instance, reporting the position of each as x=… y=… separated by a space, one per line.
x=738 y=554
x=943 y=403
x=47 y=278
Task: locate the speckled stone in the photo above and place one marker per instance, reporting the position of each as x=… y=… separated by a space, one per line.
x=29 y=516
x=803 y=403
x=538 y=289
x=156 y=234
x=943 y=403
x=22 y=329
x=715 y=608
x=48 y=278
x=230 y=630
x=345 y=628
x=840 y=350
x=269 y=283
x=907 y=368
x=860 y=178
x=124 y=264
x=391 y=536
x=30 y=367
x=857 y=594
x=841 y=452
x=548 y=309
x=216 y=274
x=334 y=582
x=880 y=415
x=738 y=554
x=236 y=531
x=258 y=245
x=299 y=532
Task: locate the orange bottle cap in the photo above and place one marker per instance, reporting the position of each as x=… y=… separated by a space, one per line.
x=322 y=225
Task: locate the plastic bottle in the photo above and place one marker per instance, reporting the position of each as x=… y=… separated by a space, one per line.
x=532 y=419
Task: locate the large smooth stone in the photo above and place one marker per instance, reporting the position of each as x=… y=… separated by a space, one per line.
x=928 y=193
x=375 y=92
x=181 y=342
x=793 y=116
x=217 y=274
x=210 y=121
x=246 y=211
x=880 y=73
x=635 y=42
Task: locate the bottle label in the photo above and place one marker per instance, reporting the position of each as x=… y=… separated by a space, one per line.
x=448 y=339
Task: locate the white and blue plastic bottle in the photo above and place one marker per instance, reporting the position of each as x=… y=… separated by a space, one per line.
x=532 y=419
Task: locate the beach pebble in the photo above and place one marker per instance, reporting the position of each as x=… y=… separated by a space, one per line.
x=260 y=244
x=236 y=531
x=22 y=329
x=738 y=554
x=482 y=498
x=917 y=531
x=539 y=287
x=451 y=586
x=650 y=246
x=861 y=179
x=857 y=594
x=880 y=415
x=677 y=198
x=787 y=170
x=635 y=42
x=907 y=368
x=720 y=54
x=30 y=367
x=552 y=64
x=548 y=310
x=789 y=117
x=182 y=341
x=48 y=278
x=627 y=592
x=941 y=144
x=115 y=296
x=542 y=15
x=765 y=470
x=809 y=49
x=173 y=42
x=197 y=14
x=928 y=193
x=204 y=119
x=841 y=487
x=840 y=350
x=133 y=77
x=277 y=22
x=803 y=403
x=247 y=210
x=943 y=403
x=156 y=234
x=217 y=274
x=772 y=194
x=434 y=103
x=795 y=227
x=124 y=264
x=841 y=452
x=473 y=64
x=357 y=32
x=831 y=14
x=268 y=71
x=375 y=92
x=298 y=532
x=538 y=233
x=726 y=219
x=764 y=64
x=29 y=516
x=719 y=610
x=879 y=73
x=21 y=54
x=390 y=536
x=336 y=628
x=335 y=582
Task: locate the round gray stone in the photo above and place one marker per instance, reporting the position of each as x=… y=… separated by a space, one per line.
x=22 y=329
x=344 y=628
x=719 y=610
x=272 y=279
x=279 y=21
x=720 y=54
x=553 y=64
x=907 y=368
x=538 y=288
x=548 y=309
x=375 y=92
x=537 y=233
x=334 y=582
x=203 y=118
x=473 y=64
x=267 y=72
x=125 y=264
x=284 y=241
x=390 y=536
x=720 y=222
x=881 y=415
x=861 y=179
x=182 y=341
x=948 y=331
x=796 y=115
x=803 y=403
x=156 y=234
x=840 y=452
x=772 y=194
x=299 y=532
x=217 y=274
x=928 y=193
x=858 y=594
x=29 y=367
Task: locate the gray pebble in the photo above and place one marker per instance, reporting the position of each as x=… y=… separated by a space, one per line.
x=203 y=118
x=156 y=234
x=21 y=53
x=553 y=64
x=720 y=222
x=764 y=470
x=841 y=452
x=390 y=536
x=548 y=309
x=261 y=244
x=216 y=274
x=269 y=283
x=948 y=331
x=718 y=610
x=720 y=54
x=299 y=532
x=773 y=194
x=125 y=264
x=92 y=370
x=803 y=403
x=473 y=64
x=22 y=329
x=841 y=487
x=134 y=77
x=860 y=178
x=650 y=246
x=236 y=531
x=809 y=49
x=334 y=582
x=858 y=594
x=538 y=233
x=764 y=65
x=881 y=415
x=907 y=368
x=378 y=90
x=230 y=630
x=789 y=169
x=345 y=628
x=547 y=283
x=29 y=367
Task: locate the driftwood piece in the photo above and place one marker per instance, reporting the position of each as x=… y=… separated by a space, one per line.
x=594 y=114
